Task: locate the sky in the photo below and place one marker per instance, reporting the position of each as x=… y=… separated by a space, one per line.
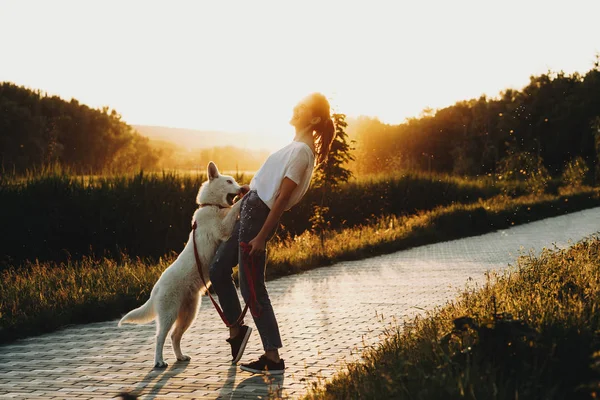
x=240 y=66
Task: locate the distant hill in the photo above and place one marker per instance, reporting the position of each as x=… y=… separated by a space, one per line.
x=188 y=149
x=197 y=139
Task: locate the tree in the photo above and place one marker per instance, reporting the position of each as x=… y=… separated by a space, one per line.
x=524 y=166
x=575 y=173
x=333 y=171
x=38 y=130
x=549 y=117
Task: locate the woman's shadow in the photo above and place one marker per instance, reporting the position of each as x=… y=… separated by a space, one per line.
x=261 y=386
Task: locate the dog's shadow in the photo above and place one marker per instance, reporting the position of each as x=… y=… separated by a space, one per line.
x=143 y=387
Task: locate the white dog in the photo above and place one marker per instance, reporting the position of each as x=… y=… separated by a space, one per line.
x=174 y=298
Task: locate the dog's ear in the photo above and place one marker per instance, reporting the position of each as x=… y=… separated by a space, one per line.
x=213 y=171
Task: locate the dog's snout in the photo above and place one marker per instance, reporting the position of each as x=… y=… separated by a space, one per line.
x=243 y=190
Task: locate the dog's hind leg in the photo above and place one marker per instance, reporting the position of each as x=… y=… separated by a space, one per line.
x=187 y=313
x=164 y=322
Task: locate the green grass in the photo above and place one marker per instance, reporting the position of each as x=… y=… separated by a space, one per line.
x=392 y=233
x=529 y=333
x=39 y=297
x=56 y=216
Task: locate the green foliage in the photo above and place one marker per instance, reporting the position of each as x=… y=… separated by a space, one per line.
x=529 y=334
x=550 y=117
x=334 y=171
x=56 y=216
x=318 y=219
x=330 y=174
x=38 y=297
x=575 y=173
x=539 y=179
x=526 y=167
x=53 y=215
x=37 y=130
x=596 y=132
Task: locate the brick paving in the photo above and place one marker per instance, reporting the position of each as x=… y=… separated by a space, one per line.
x=327 y=316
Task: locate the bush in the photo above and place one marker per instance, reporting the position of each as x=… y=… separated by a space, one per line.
x=525 y=167
x=54 y=216
x=574 y=174
x=530 y=333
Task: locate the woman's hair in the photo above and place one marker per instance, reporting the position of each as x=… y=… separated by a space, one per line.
x=324 y=131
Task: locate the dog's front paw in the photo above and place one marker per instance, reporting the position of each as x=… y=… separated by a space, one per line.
x=184 y=358
x=161 y=364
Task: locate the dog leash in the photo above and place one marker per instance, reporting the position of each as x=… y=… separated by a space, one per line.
x=249 y=269
x=248 y=260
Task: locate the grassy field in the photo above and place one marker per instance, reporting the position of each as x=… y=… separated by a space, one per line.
x=39 y=297
x=529 y=333
x=42 y=297
x=392 y=233
x=55 y=216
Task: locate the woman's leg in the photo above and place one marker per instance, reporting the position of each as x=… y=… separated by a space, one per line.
x=253 y=214
x=221 y=269
x=265 y=321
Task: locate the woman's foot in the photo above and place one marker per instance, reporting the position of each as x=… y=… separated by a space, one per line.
x=238 y=343
x=264 y=366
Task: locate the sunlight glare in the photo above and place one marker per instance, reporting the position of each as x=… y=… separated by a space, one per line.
x=241 y=66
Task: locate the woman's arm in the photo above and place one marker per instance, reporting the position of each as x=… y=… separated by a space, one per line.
x=285 y=191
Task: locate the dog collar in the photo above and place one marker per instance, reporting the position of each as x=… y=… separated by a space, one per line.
x=210 y=204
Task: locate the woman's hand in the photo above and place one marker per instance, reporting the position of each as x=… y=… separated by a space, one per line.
x=244 y=189
x=257 y=245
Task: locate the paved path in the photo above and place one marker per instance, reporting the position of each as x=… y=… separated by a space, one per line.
x=326 y=317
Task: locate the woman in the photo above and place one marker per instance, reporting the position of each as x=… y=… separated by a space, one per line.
x=278 y=185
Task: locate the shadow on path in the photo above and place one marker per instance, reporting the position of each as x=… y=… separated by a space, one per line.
x=327 y=316
x=260 y=385
x=227 y=388
x=174 y=370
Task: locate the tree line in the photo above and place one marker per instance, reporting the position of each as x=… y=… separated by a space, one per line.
x=548 y=128
x=551 y=123
x=37 y=130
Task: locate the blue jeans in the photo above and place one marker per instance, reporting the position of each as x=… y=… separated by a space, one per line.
x=253 y=214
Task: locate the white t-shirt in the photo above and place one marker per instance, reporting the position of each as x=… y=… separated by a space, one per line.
x=295 y=161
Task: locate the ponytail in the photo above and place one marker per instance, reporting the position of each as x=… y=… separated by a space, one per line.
x=324 y=130
x=323 y=136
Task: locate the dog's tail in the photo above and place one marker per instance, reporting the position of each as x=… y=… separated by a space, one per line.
x=140 y=315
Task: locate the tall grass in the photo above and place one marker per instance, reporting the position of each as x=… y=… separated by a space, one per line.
x=37 y=297
x=367 y=197
x=530 y=333
x=51 y=215
x=57 y=217
x=390 y=233
x=40 y=297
